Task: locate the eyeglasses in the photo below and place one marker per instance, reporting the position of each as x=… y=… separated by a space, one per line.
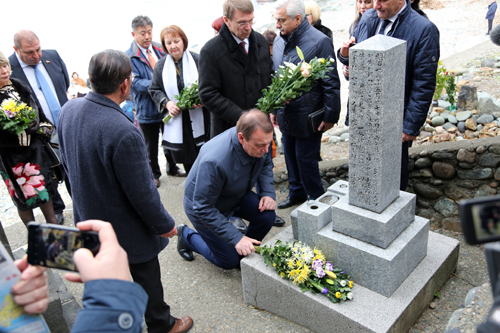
x=243 y=24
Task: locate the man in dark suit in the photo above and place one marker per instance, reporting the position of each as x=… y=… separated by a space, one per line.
x=30 y=64
x=107 y=162
x=234 y=68
x=220 y=185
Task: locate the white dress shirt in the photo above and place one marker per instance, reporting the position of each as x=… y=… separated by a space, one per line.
x=30 y=75
x=392 y=19
x=246 y=40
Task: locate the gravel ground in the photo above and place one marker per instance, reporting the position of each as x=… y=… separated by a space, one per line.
x=462 y=26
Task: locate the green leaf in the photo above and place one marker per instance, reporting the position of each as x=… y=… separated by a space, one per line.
x=299 y=53
x=329 y=281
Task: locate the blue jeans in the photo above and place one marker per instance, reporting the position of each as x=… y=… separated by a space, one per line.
x=224 y=255
x=301 y=157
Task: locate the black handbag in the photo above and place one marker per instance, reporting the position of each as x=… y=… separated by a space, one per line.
x=315 y=119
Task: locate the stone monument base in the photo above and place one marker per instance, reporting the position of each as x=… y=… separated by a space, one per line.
x=368 y=311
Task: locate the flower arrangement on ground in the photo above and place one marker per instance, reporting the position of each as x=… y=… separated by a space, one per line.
x=15 y=116
x=291 y=81
x=308 y=269
x=187 y=99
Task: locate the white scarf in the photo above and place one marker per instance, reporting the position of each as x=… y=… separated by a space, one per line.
x=173 y=129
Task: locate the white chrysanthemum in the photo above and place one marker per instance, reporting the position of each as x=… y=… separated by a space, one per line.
x=349 y=295
x=343 y=283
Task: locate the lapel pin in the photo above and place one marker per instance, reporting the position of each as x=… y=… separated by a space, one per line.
x=47 y=61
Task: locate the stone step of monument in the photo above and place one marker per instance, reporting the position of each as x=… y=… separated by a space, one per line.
x=368 y=311
x=371 y=265
x=379 y=229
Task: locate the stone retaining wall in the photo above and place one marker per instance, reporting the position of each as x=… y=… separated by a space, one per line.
x=440 y=174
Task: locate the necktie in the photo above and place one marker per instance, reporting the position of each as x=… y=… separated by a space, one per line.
x=151 y=60
x=51 y=99
x=384 y=25
x=242 y=44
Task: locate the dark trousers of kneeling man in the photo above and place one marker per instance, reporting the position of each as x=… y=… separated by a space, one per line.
x=220 y=186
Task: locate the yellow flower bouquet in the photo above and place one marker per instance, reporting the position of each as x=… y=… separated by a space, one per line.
x=15 y=116
x=308 y=268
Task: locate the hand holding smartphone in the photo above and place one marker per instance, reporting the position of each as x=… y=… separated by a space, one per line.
x=52 y=245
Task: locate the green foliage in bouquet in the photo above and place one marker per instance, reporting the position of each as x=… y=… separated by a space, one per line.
x=441 y=79
x=15 y=116
x=308 y=269
x=291 y=81
x=187 y=99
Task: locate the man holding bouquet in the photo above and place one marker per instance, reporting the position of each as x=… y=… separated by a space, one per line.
x=302 y=141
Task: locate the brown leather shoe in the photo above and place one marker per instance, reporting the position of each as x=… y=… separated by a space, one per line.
x=183 y=324
x=157 y=182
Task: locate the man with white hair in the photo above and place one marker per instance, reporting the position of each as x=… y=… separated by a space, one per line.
x=302 y=142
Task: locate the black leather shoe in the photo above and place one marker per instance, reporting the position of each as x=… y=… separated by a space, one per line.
x=239 y=224
x=60 y=218
x=279 y=222
x=181 y=245
x=289 y=202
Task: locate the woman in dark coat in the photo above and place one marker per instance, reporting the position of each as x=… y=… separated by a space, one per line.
x=313 y=13
x=26 y=161
x=187 y=131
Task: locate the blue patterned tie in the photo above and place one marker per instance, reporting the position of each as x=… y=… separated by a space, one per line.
x=384 y=25
x=51 y=99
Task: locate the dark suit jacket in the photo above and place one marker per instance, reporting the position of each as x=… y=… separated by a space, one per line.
x=108 y=167
x=219 y=180
x=56 y=68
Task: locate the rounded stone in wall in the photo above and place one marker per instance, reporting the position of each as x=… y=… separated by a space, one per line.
x=423 y=163
x=489 y=160
x=497 y=174
x=475 y=174
x=427 y=191
x=443 y=170
x=442 y=155
x=480 y=149
x=446 y=207
x=485 y=191
x=464 y=165
x=466 y=156
x=457 y=192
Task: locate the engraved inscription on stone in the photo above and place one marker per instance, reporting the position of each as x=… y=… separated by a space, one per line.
x=376 y=107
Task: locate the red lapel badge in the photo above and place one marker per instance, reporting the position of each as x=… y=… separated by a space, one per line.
x=47 y=61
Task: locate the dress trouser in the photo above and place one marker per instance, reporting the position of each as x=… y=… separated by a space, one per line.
x=148 y=275
x=301 y=158
x=219 y=252
x=57 y=201
x=151 y=134
x=405 y=172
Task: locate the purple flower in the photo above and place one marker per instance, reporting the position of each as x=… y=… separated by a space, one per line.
x=328 y=267
x=317 y=264
x=320 y=272
x=325 y=291
x=343 y=272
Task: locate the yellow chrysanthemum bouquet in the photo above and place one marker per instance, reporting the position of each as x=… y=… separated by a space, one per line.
x=15 y=116
x=308 y=269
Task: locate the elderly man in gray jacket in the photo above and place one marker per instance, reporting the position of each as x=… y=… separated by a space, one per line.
x=220 y=185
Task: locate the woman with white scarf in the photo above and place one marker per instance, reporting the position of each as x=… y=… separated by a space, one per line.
x=187 y=131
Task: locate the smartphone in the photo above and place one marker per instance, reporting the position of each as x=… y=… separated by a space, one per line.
x=480 y=219
x=352 y=44
x=53 y=245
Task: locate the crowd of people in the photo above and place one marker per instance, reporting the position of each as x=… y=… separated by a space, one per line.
x=224 y=143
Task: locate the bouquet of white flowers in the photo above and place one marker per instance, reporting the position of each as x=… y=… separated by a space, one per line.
x=291 y=81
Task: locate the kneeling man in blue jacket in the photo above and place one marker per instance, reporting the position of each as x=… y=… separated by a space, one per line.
x=220 y=186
